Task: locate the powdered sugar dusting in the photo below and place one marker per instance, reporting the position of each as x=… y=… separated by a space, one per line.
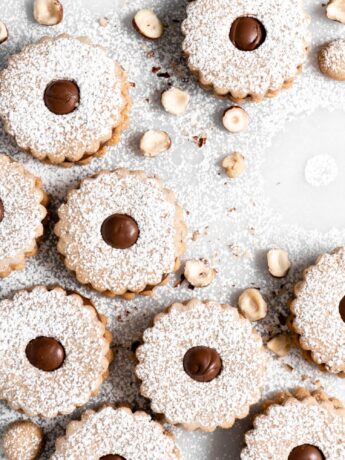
x=207 y=405
x=321 y=170
x=116 y=432
x=23 y=212
x=43 y=313
x=235 y=220
x=26 y=116
x=221 y=64
x=294 y=424
x=96 y=262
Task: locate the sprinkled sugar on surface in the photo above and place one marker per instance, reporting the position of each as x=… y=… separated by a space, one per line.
x=303 y=423
x=235 y=220
x=193 y=403
x=96 y=262
x=321 y=170
x=223 y=65
x=117 y=432
x=44 y=132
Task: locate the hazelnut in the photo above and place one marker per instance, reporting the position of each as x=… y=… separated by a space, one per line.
x=148 y=24
x=278 y=262
x=198 y=273
x=252 y=305
x=280 y=345
x=234 y=165
x=22 y=433
x=331 y=62
x=104 y=22
x=154 y=142
x=48 y=12
x=235 y=119
x=336 y=10
x=3 y=33
x=175 y=101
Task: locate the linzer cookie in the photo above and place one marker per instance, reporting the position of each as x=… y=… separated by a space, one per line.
x=121 y=232
x=246 y=49
x=64 y=100
x=318 y=312
x=54 y=351
x=302 y=426
x=116 y=434
x=22 y=211
x=201 y=365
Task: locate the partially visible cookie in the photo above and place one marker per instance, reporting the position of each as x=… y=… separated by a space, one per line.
x=116 y=434
x=318 y=312
x=332 y=59
x=23 y=440
x=22 y=212
x=302 y=426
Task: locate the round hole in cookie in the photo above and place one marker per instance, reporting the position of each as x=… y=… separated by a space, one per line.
x=45 y=353
x=202 y=364
x=112 y=457
x=2 y=210
x=342 y=308
x=306 y=452
x=62 y=97
x=247 y=33
x=120 y=231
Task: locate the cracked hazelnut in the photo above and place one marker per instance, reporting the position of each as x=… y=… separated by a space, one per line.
x=280 y=345
x=278 y=262
x=235 y=119
x=48 y=12
x=154 y=142
x=252 y=305
x=234 y=165
x=336 y=10
x=199 y=273
x=3 y=33
x=148 y=24
x=175 y=101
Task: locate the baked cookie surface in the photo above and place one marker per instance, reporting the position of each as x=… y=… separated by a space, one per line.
x=63 y=99
x=201 y=365
x=22 y=212
x=318 y=312
x=116 y=434
x=121 y=232
x=300 y=427
x=246 y=49
x=54 y=352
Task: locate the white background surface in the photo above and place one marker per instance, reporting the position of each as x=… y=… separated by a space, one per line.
x=274 y=203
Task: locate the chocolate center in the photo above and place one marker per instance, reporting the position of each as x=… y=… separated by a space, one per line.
x=45 y=353
x=2 y=210
x=112 y=457
x=120 y=231
x=247 y=34
x=342 y=309
x=202 y=364
x=306 y=452
x=62 y=97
